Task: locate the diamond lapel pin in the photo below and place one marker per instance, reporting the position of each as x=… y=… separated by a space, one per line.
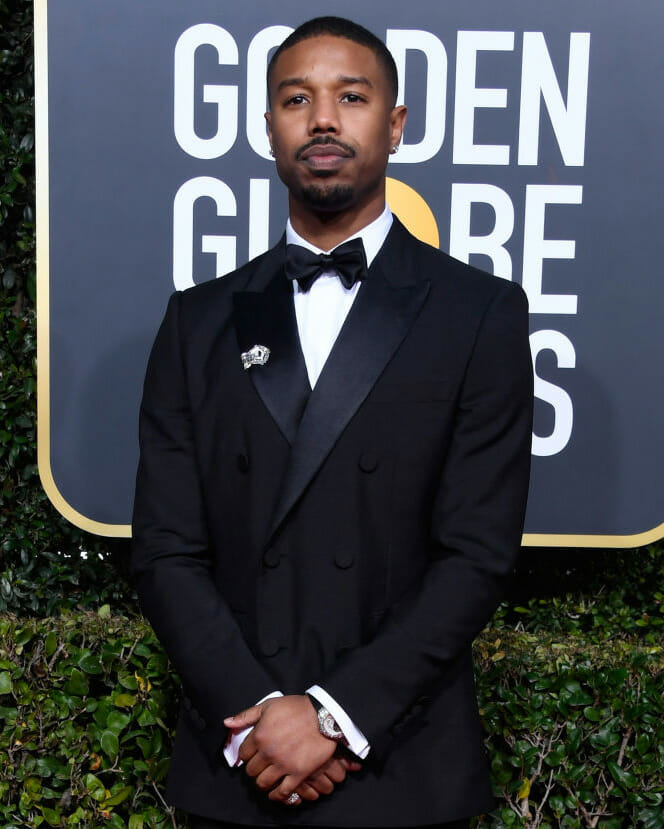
x=258 y=355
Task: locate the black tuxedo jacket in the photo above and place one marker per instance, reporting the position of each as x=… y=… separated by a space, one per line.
x=357 y=536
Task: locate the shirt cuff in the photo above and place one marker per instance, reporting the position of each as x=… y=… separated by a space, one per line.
x=357 y=742
x=236 y=738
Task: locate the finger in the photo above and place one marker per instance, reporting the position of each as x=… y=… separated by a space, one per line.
x=268 y=778
x=307 y=792
x=350 y=765
x=249 y=716
x=248 y=748
x=335 y=771
x=335 y=766
x=287 y=786
x=256 y=765
x=321 y=782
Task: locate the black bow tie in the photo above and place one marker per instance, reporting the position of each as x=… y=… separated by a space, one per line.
x=348 y=260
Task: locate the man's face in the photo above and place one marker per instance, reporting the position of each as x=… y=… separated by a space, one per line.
x=332 y=123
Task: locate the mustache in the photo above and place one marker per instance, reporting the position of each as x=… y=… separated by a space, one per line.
x=322 y=141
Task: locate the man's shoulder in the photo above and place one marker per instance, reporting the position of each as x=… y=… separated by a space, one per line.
x=206 y=308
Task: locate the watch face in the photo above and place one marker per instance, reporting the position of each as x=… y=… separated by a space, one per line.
x=330 y=726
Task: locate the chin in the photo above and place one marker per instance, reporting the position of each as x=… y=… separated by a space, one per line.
x=330 y=197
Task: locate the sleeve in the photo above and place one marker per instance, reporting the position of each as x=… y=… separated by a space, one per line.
x=476 y=524
x=171 y=565
x=357 y=742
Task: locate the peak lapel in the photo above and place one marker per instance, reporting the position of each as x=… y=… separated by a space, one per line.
x=266 y=316
x=379 y=320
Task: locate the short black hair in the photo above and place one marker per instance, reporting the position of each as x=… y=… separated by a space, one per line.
x=340 y=27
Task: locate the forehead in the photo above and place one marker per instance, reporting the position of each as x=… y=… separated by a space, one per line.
x=326 y=57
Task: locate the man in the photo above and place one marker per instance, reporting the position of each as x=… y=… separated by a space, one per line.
x=332 y=484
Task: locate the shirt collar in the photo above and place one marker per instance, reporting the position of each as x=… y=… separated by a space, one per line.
x=372 y=236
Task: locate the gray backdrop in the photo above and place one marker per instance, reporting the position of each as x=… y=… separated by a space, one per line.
x=115 y=165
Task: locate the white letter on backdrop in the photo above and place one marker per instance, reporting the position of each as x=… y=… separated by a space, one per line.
x=536 y=248
x=183 y=229
x=225 y=97
x=468 y=98
x=462 y=244
x=553 y=395
x=538 y=76
x=399 y=41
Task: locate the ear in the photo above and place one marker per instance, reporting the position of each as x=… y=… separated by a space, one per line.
x=397 y=123
x=268 y=118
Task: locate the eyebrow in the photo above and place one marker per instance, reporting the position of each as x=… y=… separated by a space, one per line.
x=359 y=79
x=290 y=82
x=343 y=79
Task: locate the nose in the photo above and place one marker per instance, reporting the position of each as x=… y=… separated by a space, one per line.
x=324 y=117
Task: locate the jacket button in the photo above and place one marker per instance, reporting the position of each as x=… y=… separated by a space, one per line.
x=269 y=646
x=243 y=462
x=271 y=557
x=368 y=461
x=344 y=558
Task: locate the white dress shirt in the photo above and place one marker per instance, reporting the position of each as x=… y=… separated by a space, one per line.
x=321 y=312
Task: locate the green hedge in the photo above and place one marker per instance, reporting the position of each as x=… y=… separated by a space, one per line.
x=87 y=714
x=574 y=726
x=575 y=730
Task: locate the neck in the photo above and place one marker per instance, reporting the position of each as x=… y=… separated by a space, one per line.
x=327 y=229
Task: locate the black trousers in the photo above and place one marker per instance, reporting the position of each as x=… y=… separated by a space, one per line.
x=196 y=822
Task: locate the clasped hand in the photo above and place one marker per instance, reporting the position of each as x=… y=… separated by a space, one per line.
x=285 y=752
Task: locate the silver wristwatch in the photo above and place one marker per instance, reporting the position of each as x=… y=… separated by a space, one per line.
x=327 y=725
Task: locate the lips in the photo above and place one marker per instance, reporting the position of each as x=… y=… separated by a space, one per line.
x=323 y=150
x=325 y=158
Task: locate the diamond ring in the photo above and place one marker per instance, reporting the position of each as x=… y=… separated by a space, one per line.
x=293 y=797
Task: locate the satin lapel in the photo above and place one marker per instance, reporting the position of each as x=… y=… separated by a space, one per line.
x=378 y=322
x=267 y=318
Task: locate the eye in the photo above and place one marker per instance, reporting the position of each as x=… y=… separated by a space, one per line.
x=295 y=99
x=352 y=98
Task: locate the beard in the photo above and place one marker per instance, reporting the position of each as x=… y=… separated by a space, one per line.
x=330 y=197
